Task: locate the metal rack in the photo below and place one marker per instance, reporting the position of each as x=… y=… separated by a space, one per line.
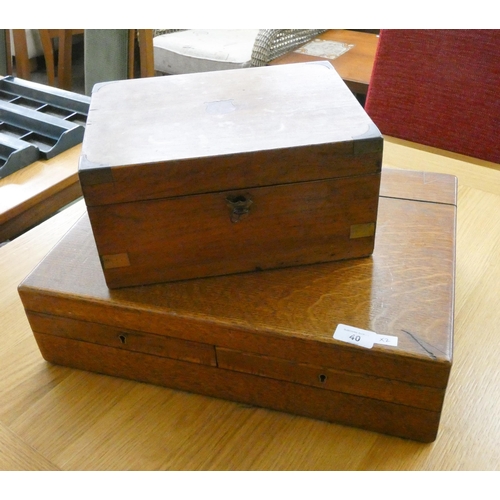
x=37 y=122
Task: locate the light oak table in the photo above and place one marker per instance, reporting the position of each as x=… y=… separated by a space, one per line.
x=37 y=191
x=53 y=417
x=354 y=66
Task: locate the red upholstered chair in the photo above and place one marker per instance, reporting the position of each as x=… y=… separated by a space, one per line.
x=439 y=88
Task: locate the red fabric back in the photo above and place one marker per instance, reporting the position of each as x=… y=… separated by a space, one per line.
x=440 y=88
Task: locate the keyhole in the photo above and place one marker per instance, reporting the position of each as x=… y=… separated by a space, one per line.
x=239 y=205
x=322 y=378
x=123 y=339
x=239 y=199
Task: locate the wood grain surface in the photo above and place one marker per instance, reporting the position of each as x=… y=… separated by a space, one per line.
x=81 y=421
x=213 y=114
x=37 y=191
x=159 y=172
x=271 y=332
x=194 y=236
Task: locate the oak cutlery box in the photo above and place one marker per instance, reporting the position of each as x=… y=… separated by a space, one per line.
x=267 y=338
x=208 y=174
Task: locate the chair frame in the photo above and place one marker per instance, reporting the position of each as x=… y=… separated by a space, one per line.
x=47 y=37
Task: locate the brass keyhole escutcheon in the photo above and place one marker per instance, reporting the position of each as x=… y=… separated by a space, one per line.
x=239 y=205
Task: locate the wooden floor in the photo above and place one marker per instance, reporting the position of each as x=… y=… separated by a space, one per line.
x=55 y=418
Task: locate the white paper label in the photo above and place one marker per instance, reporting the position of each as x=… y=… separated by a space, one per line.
x=363 y=338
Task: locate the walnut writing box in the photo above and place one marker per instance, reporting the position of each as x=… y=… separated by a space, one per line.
x=216 y=173
x=267 y=338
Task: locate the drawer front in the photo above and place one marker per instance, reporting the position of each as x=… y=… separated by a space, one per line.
x=384 y=389
x=367 y=413
x=236 y=231
x=130 y=340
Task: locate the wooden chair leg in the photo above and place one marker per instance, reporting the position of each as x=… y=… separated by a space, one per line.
x=146 y=53
x=48 y=52
x=21 y=54
x=64 y=59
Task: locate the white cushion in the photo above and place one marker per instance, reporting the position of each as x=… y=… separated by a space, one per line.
x=194 y=51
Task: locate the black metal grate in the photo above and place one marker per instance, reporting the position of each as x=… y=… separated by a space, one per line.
x=37 y=122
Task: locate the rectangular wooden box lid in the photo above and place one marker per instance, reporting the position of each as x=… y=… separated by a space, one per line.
x=406 y=290
x=204 y=132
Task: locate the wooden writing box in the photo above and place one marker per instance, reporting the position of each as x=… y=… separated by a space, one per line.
x=266 y=338
x=217 y=173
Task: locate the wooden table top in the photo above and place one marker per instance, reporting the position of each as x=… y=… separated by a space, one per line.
x=37 y=191
x=55 y=418
x=354 y=66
